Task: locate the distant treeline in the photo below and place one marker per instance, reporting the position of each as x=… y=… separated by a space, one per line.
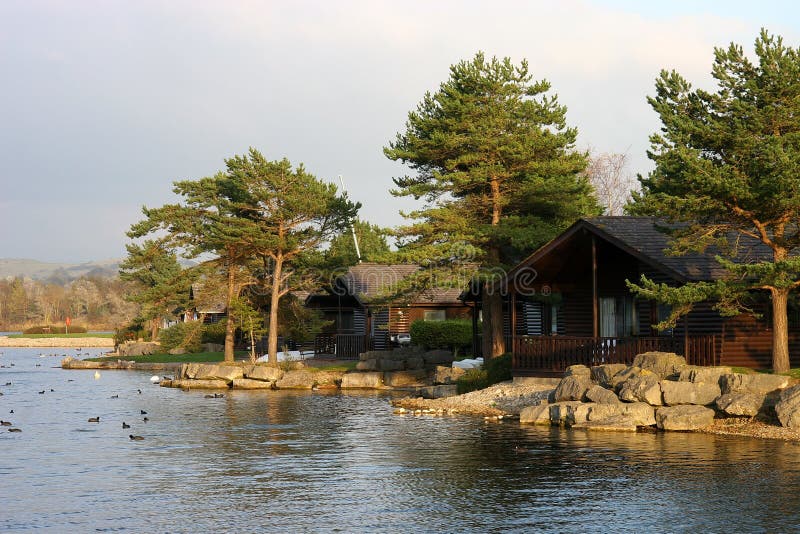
x=94 y=302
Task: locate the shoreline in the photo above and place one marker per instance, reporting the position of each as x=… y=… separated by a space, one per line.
x=57 y=342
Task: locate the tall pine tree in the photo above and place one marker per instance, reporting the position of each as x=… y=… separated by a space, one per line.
x=496 y=164
x=728 y=166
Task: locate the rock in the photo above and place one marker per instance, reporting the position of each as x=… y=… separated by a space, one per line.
x=328 y=379
x=367 y=365
x=572 y=388
x=603 y=374
x=391 y=365
x=644 y=387
x=617 y=423
x=247 y=383
x=788 y=408
x=362 y=380
x=406 y=378
x=562 y=413
x=640 y=413
x=664 y=364
x=138 y=348
x=601 y=395
x=537 y=415
x=267 y=373
x=186 y=383
x=203 y=371
x=684 y=417
x=177 y=350
x=700 y=393
x=438 y=357
x=375 y=355
x=415 y=362
x=299 y=379
x=446 y=375
x=710 y=375
x=759 y=383
x=625 y=374
x=437 y=392
x=740 y=404
x=578 y=370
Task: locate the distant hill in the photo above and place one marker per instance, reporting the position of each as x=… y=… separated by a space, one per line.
x=58 y=273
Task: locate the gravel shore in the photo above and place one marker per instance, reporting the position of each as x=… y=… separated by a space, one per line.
x=62 y=342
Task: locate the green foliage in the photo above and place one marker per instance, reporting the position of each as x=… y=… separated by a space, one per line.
x=131 y=332
x=727 y=166
x=53 y=329
x=493 y=371
x=455 y=335
x=184 y=335
x=371 y=243
x=214 y=332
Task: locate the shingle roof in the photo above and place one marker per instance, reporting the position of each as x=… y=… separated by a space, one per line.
x=646 y=239
x=370 y=281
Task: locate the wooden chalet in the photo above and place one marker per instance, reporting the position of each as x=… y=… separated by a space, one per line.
x=363 y=319
x=568 y=303
x=209 y=308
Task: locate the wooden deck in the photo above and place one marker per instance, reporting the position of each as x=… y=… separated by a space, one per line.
x=551 y=355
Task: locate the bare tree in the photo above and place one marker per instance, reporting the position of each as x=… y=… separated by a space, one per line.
x=612 y=181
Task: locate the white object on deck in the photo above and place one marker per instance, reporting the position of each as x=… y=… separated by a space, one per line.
x=155 y=379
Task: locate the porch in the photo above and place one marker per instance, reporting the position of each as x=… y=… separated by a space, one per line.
x=551 y=355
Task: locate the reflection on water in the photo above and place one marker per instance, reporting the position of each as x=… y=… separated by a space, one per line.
x=303 y=461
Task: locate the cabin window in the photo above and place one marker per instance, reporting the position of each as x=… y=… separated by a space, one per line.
x=434 y=315
x=617 y=316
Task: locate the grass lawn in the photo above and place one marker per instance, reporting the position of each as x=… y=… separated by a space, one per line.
x=218 y=357
x=38 y=336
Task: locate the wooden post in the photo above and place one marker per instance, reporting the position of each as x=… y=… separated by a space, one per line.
x=595 y=298
x=513 y=321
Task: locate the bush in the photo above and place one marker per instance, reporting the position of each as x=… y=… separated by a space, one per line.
x=53 y=329
x=132 y=332
x=185 y=335
x=493 y=371
x=455 y=335
x=214 y=332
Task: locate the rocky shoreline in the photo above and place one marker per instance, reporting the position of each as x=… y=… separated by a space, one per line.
x=57 y=342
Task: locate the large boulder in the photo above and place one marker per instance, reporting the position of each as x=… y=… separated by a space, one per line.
x=700 y=393
x=391 y=365
x=740 y=404
x=537 y=415
x=604 y=374
x=415 y=362
x=362 y=381
x=375 y=355
x=267 y=373
x=626 y=374
x=248 y=383
x=640 y=413
x=601 y=395
x=788 y=408
x=205 y=371
x=406 y=378
x=644 y=387
x=298 y=379
x=572 y=388
x=138 y=348
x=617 y=423
x=187 y=383
x=367 y=365
x=759 y=383
x=328 y=379
x=578 y=370
x=684 y=417
x=446 y=375
x=563 y=413
x=709 y=375
x=438 y=357
x=664 y=364
x=437 y=392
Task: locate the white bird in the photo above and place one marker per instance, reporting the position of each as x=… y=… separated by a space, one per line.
x=155 y=379
x=97 y=375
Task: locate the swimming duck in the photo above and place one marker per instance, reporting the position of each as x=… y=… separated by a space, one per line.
x=97 y=375
x=94 y=419
x=15 y=430
x=5 y=423
x=125 y=425
x=135 y=438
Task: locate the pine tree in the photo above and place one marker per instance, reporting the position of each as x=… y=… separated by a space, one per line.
x=728 y=167
x=495 y=163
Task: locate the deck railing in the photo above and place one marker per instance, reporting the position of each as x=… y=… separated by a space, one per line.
x=551 y=355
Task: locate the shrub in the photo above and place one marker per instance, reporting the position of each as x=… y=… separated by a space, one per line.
x=493 y=371
x=214 y=332
x=455 y=335
x=132 y=332
x=53 y=329
x=185 y=335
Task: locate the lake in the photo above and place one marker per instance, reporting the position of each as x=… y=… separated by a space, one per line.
x=283 y=461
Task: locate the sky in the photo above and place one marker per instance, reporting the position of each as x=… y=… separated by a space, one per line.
x=103 y=104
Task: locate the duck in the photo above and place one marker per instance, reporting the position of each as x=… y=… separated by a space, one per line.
x=41 y=392
x=97 y=375
x=125 y=425
x=142 y=412
x=146 y=419
x=114 y=396
x=155 y=379
x=15 y=430
x=94 y=419
x=135 y=438
x=5 y=423
x=140 y=391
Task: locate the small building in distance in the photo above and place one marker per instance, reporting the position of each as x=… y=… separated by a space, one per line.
x=364 y=315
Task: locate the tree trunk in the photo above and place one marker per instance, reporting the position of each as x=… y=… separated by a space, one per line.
x=272 y=340
x=154 y=329
x=492 y=328
x=230 y=324
x=780 y=331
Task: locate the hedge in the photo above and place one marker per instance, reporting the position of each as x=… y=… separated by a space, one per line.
x=52 y=329
x=455 y=335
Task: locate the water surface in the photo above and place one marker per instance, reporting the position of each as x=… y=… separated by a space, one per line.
x=324 y=462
